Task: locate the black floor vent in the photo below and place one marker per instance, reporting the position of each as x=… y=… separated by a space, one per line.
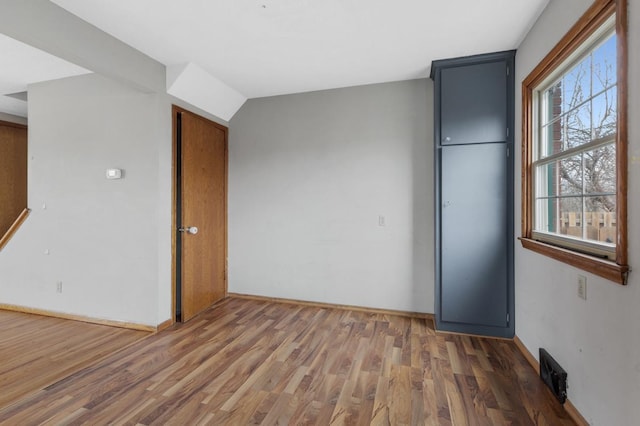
x=553 y=375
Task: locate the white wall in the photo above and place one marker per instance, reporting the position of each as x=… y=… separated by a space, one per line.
x=48 y=27
x=108 y=240
x=127 y=226
x=598 y=340
x=309 y=175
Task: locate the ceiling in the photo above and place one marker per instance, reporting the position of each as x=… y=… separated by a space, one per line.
x=273 y=47
x=21 y=65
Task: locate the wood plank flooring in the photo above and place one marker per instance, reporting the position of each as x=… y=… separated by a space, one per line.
x=256 y=362
x=36 y=351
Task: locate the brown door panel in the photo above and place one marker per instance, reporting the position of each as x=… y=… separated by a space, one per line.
x=203 y=205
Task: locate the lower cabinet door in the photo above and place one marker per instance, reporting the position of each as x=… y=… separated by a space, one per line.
x=474 y=237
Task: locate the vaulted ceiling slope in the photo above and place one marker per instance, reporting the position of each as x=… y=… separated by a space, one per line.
x=21 y=65
x=272 y=47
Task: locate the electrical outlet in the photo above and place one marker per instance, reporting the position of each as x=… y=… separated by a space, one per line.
x=381 y=220
x=582 y=287
x=59 y=287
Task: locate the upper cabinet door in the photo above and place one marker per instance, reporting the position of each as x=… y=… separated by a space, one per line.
x=474 y=104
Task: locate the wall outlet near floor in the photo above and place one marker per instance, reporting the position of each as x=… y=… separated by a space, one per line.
x=59 y=287
x=582 y=287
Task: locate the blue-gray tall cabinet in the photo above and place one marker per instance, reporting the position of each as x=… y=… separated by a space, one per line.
x=474 y=152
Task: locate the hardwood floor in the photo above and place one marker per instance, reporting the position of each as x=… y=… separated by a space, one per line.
x=255 y=362
x=36 y=351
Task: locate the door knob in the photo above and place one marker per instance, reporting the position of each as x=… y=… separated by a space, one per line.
x=193 y=230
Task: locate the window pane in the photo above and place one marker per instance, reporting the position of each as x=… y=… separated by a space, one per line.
x=554 y=133
x=604 y=204
x=561 y=177
x=560 y=215
x=605 y=114
x=578 y=127
x=565 y=216
x=571 y=216
x=547 y=177
x=576 y=85
x=570 y=173
x=600 y=219
x=547 y=215
x=604 y=65
x=600 y=171
x=553 y=98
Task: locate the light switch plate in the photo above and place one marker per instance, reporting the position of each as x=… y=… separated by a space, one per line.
x=582 y=287
x=114 y=174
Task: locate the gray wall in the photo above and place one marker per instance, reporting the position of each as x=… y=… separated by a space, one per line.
x=107 y=241
x=48 y=27
x=309 y=176
x=106 y=272
x=12 y=118
x=597 y=340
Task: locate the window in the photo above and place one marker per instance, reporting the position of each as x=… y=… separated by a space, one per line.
x=574 y=155
x=574 y=146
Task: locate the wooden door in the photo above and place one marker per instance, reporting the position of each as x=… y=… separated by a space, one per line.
x=201 y=213
x=13 y=173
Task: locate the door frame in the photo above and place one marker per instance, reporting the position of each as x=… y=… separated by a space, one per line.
x=175 y=110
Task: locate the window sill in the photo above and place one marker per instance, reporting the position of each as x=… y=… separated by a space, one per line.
x=601 y=267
